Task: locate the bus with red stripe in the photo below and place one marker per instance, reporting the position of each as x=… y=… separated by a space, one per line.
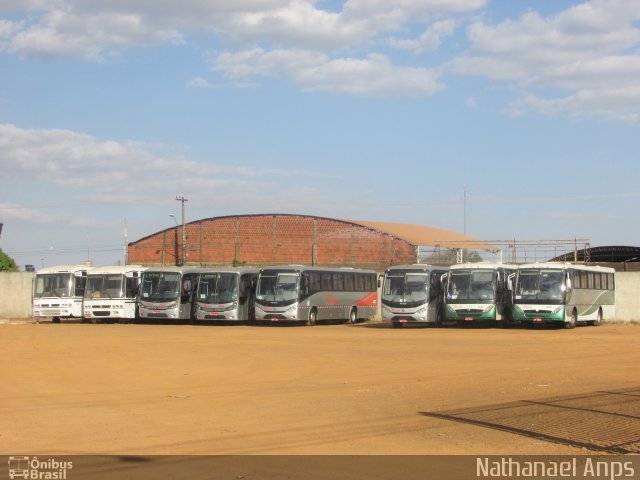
x=310 y=294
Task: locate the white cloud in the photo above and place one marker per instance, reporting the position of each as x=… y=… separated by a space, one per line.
x=14 y=211
x=200 y=82
x=102 y=169
x=430 y=39
x=313 y=71
x=587 y=50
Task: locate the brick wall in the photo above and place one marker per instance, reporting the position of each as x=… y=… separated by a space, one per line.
x=274 y=239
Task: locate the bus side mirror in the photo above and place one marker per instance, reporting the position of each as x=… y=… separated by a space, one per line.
x=380 y=279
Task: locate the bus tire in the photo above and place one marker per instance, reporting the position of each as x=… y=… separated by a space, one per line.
x=571 y=324
x=313 y=317
x=598 y=319
x=353 y=316
x=55 y=320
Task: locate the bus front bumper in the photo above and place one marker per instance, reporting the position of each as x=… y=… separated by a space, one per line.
x=275 y=314
x=406 y=315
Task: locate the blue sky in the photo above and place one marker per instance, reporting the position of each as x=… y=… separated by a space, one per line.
x=360 y=109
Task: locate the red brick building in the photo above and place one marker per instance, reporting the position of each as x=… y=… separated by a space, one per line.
x=283 y=239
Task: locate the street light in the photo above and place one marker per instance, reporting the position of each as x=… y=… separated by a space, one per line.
x=174 y=218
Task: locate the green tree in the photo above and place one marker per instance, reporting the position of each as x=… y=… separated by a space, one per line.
x=7 y=264
x=450 y=256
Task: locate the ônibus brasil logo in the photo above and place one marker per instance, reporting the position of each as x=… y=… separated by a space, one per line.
x=33 y=468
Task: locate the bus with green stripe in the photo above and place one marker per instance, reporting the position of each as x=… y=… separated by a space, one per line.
x=563 y=294
x=479 y=293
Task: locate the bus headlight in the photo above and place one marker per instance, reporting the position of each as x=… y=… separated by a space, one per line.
x=421 y=311
x=487 y=309
x=233 y=306
x=558 y=309
x=293 y=308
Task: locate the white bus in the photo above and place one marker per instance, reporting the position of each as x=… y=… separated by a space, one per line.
x=167 y=293
x=226 y=294
x=311 y=294
x=563 y=294
x=58 y=292
x=111 y=293
x=412 y=294
x=479 y=292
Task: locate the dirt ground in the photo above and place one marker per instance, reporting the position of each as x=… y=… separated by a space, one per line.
x=330 y=389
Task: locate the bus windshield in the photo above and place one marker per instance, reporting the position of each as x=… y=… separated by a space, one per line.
x=53 y=285
x=104 y=286
x=471 y=286
x=218 y=288
x=277 y=287
x=540 y=286
x=405 y=288
x=160 y=286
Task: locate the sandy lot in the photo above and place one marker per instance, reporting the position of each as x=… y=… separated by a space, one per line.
x=329 y=389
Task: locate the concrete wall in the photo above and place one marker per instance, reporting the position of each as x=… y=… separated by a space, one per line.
x=15 y=294
x=627 y=297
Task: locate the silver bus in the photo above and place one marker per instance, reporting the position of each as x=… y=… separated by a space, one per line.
x=479 y=292
x=412 y=294
x=310 y=294
x=111 y=293
x=226 y=294
x=564 y=294
x=58 y=292
x=168 y=292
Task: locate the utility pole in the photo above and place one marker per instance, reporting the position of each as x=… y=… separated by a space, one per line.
x=465 y=210
x=184 y=232
x=126 y=242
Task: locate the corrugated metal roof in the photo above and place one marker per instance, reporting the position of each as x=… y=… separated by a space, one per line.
x=423 y=236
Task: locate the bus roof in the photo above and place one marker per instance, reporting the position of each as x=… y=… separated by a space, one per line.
x=115 y=269
x=175 y=269
x=239 y=270
x=566 y=265
x=307 y=268
x=483 y=266
x=421 y=267
x=63 y=269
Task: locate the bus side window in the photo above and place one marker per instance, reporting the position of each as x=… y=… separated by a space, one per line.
x=132 y=286
x=244 y=287
x=80 y=283
x=304 y=285
x=187 y=288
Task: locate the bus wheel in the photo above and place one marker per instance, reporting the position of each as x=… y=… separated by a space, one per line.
x=353 y=316
x=313 y=317
x=573 y=322
x=397 y=325
x=598 y=319
x=55 y=320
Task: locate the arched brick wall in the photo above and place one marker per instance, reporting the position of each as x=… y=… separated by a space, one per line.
x=274 y=239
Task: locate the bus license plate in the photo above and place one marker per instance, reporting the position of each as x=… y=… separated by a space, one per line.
x=537 y=320
x=468 y=319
